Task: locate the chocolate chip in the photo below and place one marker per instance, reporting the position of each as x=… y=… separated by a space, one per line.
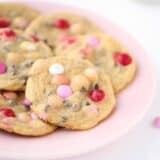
x=12 y=69
x=5 y=48
x=97 y=64
x=83 y=89
x=23 y=77
x=46 y=24
x=46 y=108
x=66 y=103
x=48 y=92
x=85 y=103
x=28 y=63
x=64 y=119
x=96 y=86
x=115 y=65
x=45 y=41
x=76 y=107
x=52 y=47
x=49 y=45
x=22 y=38
x=27 y=107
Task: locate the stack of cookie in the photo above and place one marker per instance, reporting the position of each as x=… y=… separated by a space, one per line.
x=57 y=70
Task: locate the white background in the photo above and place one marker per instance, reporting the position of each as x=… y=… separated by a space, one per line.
x=142 y=20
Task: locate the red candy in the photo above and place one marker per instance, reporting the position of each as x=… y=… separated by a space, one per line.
x=96 y=95
x=34 y=38
x=8 y=33
x=122 y=58
x=71 y=39
x=61 y=24
x=7 y=112
x=68 y=39
x=4 y=22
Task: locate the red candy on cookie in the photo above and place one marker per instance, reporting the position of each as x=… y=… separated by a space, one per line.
x=8 y=33
x=7 y=112
x=4 y=22
x=96 y=95
x=34 y=38
x=70 y=39
x=122 y=58
x=61 y=24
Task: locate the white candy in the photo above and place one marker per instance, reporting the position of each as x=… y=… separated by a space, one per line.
x=91 y=73
x=28 y=46
x=31 y=47
x=56 y=69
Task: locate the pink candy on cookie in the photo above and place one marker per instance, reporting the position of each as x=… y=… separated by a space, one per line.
x=33 y=116
x=93 y=41
x=42 y=115
x=64 y=91
x=93 y=109
x=26 y=102
x=3 y=67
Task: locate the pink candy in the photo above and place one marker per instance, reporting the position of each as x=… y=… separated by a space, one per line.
x=3 y=68
x=23 y=23
x=42 y=115
x=156 y=122
x=34 y=116
x=93 y=41
x=26 y=102
x=93 y=109
x=64 y=91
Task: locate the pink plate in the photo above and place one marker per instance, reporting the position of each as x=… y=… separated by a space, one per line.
x=132 y=105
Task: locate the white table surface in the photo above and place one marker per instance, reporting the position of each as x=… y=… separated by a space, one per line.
x=140 y=20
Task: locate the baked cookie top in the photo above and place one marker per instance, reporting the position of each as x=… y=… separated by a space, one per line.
x=69 y=92
x=17 y=54
x=16 y=116
x=49 y=27
x=103 y=51
x=16 y=15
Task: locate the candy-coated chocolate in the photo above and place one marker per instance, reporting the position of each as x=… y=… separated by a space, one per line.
x=64 y=91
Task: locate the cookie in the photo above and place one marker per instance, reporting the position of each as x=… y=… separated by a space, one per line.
x=51 y=27
x=69 y=92
x=16 y=15
x=16 y=57
x=103 y=51
x=16 y=116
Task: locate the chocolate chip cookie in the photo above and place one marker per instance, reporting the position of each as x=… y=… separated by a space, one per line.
x=17 y=55
x=16 y=116
x=16 y=15
x=70 y=92
x=103 y=51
